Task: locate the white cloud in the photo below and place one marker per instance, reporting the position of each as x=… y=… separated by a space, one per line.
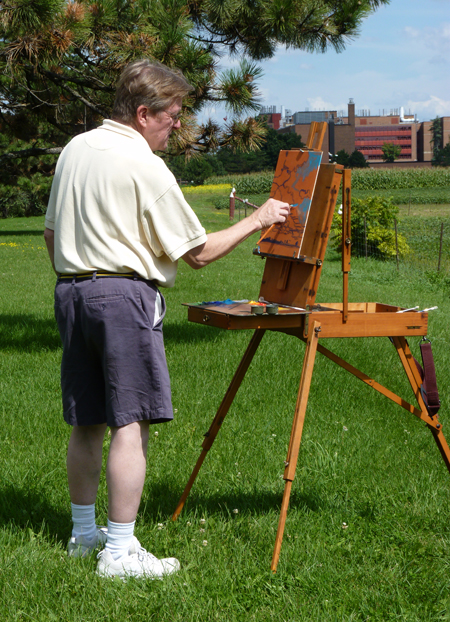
x=317 y=103
x=432 y=107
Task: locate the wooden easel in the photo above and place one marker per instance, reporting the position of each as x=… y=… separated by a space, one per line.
x=292 y=283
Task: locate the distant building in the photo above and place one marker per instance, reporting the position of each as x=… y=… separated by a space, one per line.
x=365 y=132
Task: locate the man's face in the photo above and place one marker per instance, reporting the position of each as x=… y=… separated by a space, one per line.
x=158 y=127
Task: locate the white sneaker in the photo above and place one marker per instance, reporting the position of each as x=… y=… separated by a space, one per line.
x=82 y=547
x=138 y=563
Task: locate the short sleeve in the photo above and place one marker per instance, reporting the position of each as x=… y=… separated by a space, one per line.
x=174 y=228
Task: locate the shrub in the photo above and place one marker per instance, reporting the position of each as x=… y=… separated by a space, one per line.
x=372 y=228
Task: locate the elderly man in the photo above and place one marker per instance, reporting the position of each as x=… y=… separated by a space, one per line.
x=116 y=225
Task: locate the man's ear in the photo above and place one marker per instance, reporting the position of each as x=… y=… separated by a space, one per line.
x=142 y=114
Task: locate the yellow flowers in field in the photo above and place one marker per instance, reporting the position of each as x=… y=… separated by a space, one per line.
x=206 y=188
x=23 y=246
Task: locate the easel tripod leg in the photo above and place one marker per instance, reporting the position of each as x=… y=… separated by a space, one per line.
x=221 y=413
x=296 y=433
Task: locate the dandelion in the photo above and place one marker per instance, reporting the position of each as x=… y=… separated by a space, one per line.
x=205 y=542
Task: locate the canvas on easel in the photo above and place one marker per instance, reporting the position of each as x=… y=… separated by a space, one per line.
x=294 y=182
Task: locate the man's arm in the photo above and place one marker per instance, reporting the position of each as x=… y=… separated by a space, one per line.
x=223 y=242
x=49 y=237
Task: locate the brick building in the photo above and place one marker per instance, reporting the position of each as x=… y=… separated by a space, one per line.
x=367 y=133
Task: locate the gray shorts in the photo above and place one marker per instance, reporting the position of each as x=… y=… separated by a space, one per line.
x=113 y=368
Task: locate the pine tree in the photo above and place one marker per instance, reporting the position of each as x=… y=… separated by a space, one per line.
x=60 y=59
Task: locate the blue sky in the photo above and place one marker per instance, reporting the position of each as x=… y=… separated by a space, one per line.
x=401 y=58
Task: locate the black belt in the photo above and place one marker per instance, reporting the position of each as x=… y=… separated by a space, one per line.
x=92 y=276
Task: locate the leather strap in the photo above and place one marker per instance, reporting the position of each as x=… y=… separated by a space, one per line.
x=429 y=388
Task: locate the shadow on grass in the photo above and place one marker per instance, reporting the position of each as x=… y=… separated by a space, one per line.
x=26 y=509
x=9 y=233
x=190 y=332
x=27 y=333
x=160 y=501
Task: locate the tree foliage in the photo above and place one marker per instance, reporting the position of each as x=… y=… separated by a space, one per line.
x=436 y=139
x=441 y=154
x=390 y=152
x=354 y=160
x=60 y=59
x=228 y=160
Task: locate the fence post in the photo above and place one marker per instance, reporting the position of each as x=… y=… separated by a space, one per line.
x=396 y=241
x=232 y=203
x=365 y=236
x=440 y=246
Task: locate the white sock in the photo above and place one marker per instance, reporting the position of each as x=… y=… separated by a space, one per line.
x=120 y=536
x=83 y=517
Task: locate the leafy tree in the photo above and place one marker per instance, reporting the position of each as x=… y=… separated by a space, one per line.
x=357 y=160
x=354 y=160
x=265 y=158
x=443 y=156
x=341 y=157
x=195 y=170
x=391 y=152
x=436 y=140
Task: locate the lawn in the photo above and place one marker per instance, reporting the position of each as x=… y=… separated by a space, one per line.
x=367 y=534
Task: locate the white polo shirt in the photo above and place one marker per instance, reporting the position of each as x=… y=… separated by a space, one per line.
x=115 y=207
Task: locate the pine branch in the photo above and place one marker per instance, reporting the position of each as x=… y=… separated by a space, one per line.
x=28 y=153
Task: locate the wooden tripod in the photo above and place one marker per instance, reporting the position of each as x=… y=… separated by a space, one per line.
x=293 y=282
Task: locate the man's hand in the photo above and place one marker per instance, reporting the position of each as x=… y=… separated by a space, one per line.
x=220 y=243
x=271 y=212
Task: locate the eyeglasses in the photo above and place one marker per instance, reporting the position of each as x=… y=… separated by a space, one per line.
x=175 y=117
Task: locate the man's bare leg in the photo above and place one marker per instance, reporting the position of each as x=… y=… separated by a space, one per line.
x=125 y=476
x=125 y=470
x=84 y=462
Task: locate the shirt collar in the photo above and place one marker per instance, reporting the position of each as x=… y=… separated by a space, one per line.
x=121 y=128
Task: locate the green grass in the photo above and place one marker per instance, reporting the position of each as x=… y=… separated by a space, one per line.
x=363 y=461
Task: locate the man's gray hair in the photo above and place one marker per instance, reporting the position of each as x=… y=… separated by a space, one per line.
x=147 y=83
